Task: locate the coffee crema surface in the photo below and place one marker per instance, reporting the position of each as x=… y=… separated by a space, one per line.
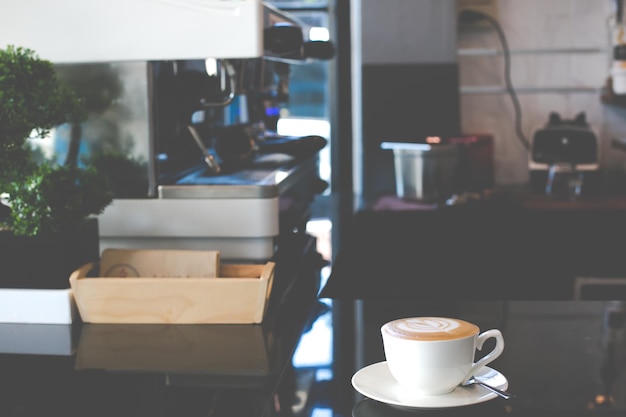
x=430 y=328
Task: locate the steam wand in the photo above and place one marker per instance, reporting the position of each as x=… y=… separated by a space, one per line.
x=214 y=166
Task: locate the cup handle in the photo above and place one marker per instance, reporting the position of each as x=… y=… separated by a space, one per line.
x=491 y=356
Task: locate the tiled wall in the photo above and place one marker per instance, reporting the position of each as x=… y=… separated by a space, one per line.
x=560 y=61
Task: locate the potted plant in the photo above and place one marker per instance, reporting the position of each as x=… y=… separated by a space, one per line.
x=47 y=226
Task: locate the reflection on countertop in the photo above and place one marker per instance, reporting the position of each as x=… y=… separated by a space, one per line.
x=561 y=358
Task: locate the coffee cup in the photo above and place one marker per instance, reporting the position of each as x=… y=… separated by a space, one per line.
x=433 y=355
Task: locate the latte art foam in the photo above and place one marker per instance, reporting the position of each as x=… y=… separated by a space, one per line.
x=430 y=328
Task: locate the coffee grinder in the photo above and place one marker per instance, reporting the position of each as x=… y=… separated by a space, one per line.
x=564 y=158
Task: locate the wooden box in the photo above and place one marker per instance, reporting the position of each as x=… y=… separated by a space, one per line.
x=238 y=295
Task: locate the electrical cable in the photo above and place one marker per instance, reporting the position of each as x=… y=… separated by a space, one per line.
x=474 y=15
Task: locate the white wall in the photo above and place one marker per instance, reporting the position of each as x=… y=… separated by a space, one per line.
x=408 y=31
x=560 y=62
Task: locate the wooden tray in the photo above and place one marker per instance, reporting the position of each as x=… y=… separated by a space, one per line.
x=239 y=295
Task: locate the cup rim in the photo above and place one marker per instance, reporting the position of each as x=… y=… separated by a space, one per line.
x=385 y=332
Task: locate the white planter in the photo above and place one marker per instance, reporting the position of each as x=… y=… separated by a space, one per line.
x=37 y=306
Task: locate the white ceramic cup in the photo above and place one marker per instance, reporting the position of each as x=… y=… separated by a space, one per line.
x=433 y=355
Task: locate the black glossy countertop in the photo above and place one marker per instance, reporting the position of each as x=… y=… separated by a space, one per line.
x=560 y=358
x=513 y=245
x=152 y=369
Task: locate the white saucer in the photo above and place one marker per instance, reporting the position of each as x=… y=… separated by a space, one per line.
x=376 y=382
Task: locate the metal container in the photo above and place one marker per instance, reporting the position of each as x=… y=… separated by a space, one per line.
x=425 y=172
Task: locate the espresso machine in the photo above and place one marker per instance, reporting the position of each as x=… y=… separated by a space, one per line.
x=213 y=75
x=223 y=178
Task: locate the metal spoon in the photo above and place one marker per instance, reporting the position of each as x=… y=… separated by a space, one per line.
x=504 y=394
